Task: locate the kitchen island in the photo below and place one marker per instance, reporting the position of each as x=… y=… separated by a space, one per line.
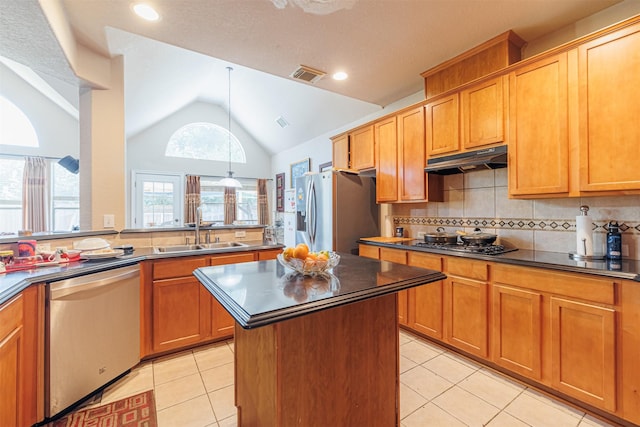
x=319 y=350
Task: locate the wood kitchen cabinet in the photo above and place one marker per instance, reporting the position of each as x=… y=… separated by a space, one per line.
x=400 y=177
x=178 y=311
x=609 y=108
x=399 y=257
x=362 y=148
x=469 y=119
x=387 y=152
x=22 y=358
x=465 y=305
x=516 y=330
x=181 y=310
x=558 y=329
x=425 y=302
x=483 y=112
x=341 y=152
x=539 y=134
x=443 y=126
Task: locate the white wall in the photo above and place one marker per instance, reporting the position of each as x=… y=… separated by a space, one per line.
x=58 y=132
x=145 y=151
x=319 y=149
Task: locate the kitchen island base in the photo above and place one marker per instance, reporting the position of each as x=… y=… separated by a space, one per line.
x=336 y=367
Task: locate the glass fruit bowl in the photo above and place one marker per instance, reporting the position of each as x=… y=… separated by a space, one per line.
x=310 y=266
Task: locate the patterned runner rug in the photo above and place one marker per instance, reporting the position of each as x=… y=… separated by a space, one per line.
x=133 y=411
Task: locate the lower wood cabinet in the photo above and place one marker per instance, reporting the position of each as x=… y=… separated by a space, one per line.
x=178 y=311
x=21 y=358
x=516 y=330
x=583 y=352
x=577 y=334
x=466 y=305
x=425 y=302
x=398 y=256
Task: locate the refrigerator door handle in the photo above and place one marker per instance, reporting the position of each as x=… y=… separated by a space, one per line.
x=311 y=213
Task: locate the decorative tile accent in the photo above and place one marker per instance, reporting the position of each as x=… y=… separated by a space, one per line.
x=564 y=225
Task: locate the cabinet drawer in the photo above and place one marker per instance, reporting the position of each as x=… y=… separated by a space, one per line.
x=418 y=259
x=265 y=255
x=466 y=268
x=232 y=258
x=580 y=286
x=180 y=267
x=393 y=255
x=11 y=315
x=369 y=251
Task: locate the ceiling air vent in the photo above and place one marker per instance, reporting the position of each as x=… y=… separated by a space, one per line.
x=307 y=74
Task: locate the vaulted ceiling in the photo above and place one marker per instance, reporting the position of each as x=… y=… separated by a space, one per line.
x=383 y=45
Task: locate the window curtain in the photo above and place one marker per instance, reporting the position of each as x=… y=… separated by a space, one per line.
x=34 y=194
x=263 y=203
x=191 y=198
x=230 y=205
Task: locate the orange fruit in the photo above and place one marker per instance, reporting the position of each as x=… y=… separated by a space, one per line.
x=301 y=251
x=288 y=253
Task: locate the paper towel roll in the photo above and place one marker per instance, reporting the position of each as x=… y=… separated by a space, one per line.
x=584 y=235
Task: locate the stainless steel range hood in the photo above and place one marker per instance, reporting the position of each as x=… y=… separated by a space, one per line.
x=490 y=158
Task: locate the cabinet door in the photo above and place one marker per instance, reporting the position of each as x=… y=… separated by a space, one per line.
x=482 y=109
x=369 y=251
x=181 y=313
x=465 y=305
x=11 y=350
x=341 y=152
x=442 y=126
x=516 y=330
x=362 y=148
x=387 y=170
x=412 y=156
x=609 y=103
x=539 y=138
x=425 y=302
x=583 y=352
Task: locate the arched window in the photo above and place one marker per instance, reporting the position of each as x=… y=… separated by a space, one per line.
x=16 y=127
x=205 y=141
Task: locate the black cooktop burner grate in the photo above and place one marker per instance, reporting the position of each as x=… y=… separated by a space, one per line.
x=472 y=249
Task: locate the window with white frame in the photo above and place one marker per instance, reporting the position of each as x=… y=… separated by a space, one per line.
x=212 y=200
x=205 y=141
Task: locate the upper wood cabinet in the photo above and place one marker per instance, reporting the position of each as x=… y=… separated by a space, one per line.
x=609 y=108
x=341 y=152
x=400 y=142
x=483 y=112
x=387 y=152
x=467 y=120
x=539 y=136
x=362 y=146
x=443 y=126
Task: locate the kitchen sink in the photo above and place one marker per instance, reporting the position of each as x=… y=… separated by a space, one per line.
x=202 y=246
x=221 y=245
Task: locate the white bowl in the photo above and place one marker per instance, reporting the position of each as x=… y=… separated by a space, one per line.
x=91 y=244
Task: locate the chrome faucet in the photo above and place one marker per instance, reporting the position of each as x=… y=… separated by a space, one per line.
x=198 y=219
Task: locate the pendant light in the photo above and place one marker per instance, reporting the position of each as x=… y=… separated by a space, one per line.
x=230 y=181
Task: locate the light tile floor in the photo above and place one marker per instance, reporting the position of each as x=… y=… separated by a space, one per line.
x=437 y=388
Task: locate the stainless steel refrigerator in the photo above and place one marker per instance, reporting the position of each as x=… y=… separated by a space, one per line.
x=334 y=209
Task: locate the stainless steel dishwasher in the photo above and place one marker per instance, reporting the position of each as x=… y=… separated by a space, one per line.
x=93 y=334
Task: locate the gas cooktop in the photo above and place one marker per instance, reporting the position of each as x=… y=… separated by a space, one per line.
x=472 y=249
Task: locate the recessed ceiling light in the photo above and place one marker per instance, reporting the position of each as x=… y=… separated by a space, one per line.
x=145 y=11
x=340 y=75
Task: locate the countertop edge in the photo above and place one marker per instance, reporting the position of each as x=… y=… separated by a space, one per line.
x=249 y=322
x=54 y=273
x=508 y=258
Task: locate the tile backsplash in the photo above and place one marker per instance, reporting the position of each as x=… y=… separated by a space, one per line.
x=480 y=199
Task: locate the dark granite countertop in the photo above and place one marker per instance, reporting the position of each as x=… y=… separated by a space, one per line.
x=14 y=282
x=626 y=269
x=264 y=292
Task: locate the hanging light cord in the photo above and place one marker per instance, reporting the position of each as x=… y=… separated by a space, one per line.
x=229 y=120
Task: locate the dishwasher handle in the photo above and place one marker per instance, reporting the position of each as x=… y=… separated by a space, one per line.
x=91 y=282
